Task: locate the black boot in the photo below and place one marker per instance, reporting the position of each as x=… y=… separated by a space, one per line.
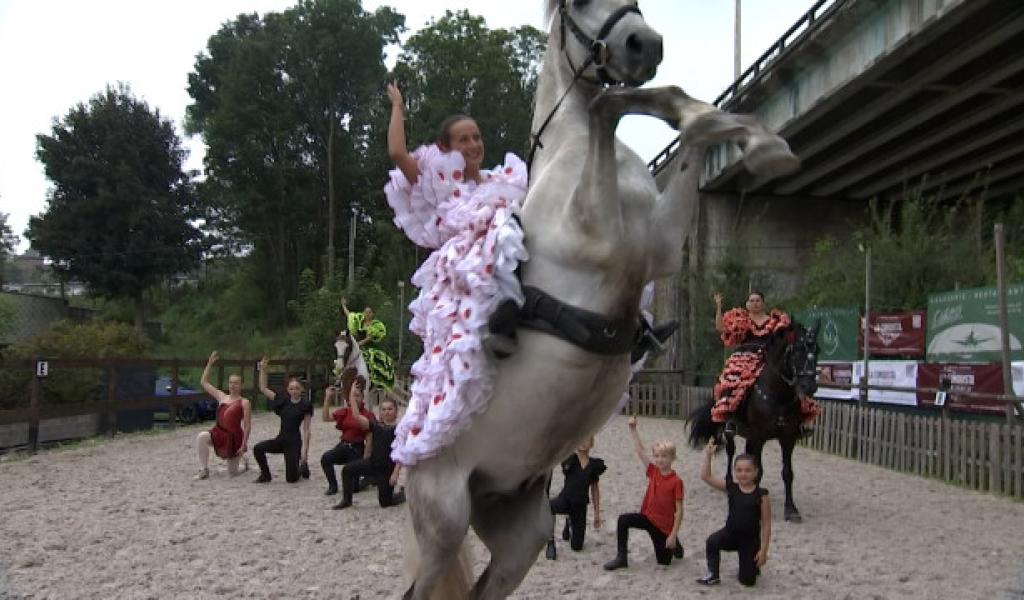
x=567 y=531
x=619 y=562
x=653 y=338
x=501 y=327
x=550 y=553
x=677 y=550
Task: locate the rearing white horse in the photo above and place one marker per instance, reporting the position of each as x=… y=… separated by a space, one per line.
x=597 y=230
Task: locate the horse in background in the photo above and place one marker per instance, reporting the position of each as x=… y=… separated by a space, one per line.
x=771 y=409
x=597 y=230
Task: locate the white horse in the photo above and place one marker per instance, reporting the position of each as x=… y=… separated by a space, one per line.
x=350 y=356
x=597 y=230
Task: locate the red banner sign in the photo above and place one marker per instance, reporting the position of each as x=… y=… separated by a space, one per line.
x=987 y=379
x=894 y=334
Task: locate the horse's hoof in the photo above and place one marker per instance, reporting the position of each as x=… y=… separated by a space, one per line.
x=769 y=156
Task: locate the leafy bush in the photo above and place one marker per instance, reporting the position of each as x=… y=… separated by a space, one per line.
x=65 y=339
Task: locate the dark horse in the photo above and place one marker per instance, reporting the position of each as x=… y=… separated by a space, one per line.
x=771 y=409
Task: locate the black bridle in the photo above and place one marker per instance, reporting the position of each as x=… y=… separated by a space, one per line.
x=598 y=56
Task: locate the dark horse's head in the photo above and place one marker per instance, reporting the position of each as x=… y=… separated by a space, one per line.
x=792 y=356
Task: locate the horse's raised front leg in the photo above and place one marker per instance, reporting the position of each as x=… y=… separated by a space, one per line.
x=788 y=442
x=438 y=495
x=514 y=528
x=730 y=451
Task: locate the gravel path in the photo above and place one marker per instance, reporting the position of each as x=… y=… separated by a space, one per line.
x=123 y=519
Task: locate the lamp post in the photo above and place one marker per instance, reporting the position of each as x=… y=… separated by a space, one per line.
x=350 y=284
x=866 y=249
x=401 y=320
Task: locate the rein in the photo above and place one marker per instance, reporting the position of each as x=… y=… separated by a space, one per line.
x=598 y=56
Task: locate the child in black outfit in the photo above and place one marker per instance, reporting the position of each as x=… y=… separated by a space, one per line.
x=582 y=472
x=376 y=462
x=748 y=528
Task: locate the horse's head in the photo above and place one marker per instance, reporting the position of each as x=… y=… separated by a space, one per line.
x=346 y=347
x=802 y=357
x=609 y=38
x=793 y=353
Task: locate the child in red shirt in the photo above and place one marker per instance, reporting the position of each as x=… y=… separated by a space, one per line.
x=661 y=512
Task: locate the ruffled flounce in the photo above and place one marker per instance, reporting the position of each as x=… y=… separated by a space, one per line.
x=479 y=246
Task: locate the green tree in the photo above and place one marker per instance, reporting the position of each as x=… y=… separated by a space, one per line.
x=283 y=105
x=8 y=242
x=119 y=213
x=457 y=65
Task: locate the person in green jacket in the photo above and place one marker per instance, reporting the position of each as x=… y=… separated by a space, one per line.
x=368 y=333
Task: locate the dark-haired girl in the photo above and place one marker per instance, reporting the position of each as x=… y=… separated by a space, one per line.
x=445 y=201
x=747 y=330
x=292 y=439
x=748 y=527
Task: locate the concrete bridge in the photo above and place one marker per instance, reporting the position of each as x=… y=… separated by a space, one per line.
x=875 y=97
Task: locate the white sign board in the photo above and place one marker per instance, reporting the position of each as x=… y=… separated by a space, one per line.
x=894 y=373
x=42 y=368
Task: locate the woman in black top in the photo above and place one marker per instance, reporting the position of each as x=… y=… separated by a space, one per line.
x=582 y=473
x=748 y=528
x=376 y=463
x=292 y=440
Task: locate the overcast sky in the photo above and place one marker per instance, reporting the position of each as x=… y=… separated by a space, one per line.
x=57 y=53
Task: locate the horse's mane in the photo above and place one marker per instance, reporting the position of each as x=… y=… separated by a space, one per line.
x=785 y=336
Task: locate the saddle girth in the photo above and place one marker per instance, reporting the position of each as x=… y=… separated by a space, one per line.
x=588 y=330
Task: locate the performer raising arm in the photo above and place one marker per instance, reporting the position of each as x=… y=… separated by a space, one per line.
x=444 y=200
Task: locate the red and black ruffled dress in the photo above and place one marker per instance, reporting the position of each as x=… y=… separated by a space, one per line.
x=743 y=366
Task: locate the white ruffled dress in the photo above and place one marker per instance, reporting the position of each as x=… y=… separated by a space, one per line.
x=478 y=246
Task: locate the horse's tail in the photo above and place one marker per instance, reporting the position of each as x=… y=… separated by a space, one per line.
x=702 y=428
x=454 y=584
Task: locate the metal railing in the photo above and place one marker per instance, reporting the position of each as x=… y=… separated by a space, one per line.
x=810 y=21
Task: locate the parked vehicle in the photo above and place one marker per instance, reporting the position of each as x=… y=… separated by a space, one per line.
x=199 y=407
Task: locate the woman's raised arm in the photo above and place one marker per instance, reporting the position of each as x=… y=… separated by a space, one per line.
x=397 y=150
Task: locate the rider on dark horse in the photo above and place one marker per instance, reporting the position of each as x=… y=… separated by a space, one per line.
x=747 y=330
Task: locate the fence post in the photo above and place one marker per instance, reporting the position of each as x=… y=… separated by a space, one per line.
x=35 y=393
x=172 y=409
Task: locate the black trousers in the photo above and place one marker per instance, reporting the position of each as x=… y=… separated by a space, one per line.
x=629 y=521
x=745 y=546
x=291 y=450
x=341 y=454
x=577 y=513
x=364 y=467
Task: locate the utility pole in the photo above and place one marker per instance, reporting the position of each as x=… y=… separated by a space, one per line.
x=330 y=200
x=736 y=68
x=867 y=329
x=350 y=283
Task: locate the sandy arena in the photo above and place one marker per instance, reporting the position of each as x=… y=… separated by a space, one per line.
x=123 y=519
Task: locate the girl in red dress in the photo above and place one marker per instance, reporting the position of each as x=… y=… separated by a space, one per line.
x=229 y=437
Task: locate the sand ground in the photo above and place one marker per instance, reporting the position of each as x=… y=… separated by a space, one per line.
x=123 y=519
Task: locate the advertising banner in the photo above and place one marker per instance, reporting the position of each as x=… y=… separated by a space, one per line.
x=897 y=373
x=836 y=372
x=963 y=325
x=894 y=334
x=837 y=337
x=987 y=379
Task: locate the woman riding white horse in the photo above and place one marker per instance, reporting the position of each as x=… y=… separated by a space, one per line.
x=597 y=230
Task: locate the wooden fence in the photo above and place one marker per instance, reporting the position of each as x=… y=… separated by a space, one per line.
x=110 y=400
x=979 y=455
